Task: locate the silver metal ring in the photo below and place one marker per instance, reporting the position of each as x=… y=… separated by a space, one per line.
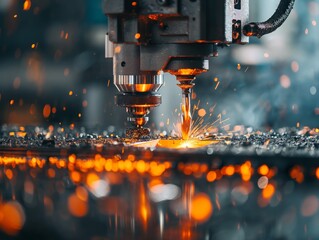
x=138 y=83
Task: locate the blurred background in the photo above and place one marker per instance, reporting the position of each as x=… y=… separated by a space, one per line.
x=53 y=70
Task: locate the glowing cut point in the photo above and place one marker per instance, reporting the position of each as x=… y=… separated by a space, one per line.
x=191 y=143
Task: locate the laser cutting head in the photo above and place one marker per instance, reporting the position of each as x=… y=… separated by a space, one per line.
x=148 y=37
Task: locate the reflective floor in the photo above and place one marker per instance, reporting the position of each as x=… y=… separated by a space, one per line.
x=108 y=191
x=74 y=185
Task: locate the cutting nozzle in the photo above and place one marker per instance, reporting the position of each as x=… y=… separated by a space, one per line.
x=138 y=94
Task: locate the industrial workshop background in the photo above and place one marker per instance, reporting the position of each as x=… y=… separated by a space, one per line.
x=53 y=70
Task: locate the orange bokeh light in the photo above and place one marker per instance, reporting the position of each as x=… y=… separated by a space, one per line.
x=12 y=217
x=137 y=36
x=211 y=176
x=263 y=170
x=91 y=179
x=268 y=191
x=77 y=207
x=27 y=5
x=46 y=111
x=201 y=207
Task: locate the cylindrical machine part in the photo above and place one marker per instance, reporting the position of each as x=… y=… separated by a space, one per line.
x=137 y=88
x=138 y=83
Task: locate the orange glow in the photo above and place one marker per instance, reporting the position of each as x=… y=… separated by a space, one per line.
x=72 y=125
x=211 y=176
x=186 y=71
x=230 y=170
x=77 y=207
x=128 y=166
x=46 y=111
x=51 y=128
x=131 y=157
x=201 y=112
x=70 y=93
x=75 y=176
x=155 y=182
x=82 y=193
x=32 y=109
x=134 y=4
x=297 y=174
x=137 y=36
x=12 y=217
x=91 y=179
x=33 y=46
x=246 y=171
x=263 y=170
x=317 y=173
x=157 y=169
x=201 y=207
x=21 y=134
x=144 y=213
x=117 y=49
x=11 y=102
x=9 y=174
x=72 y=158
x=268 y=191
x=141 y=166
x=191 y=143
x=27 y=5
x=51 y=173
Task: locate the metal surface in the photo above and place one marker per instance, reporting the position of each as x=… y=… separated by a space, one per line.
x=138 y=83
x=80 y=185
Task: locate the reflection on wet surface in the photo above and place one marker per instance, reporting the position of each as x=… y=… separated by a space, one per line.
x=240 y=187
x=126 y=197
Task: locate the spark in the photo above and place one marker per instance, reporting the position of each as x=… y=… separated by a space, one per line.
x=201 y=129
x=306 y=31
x=27 y=5
x=137 y=36
x=217 y=85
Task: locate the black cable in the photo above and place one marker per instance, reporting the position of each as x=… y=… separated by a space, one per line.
x=275 y=21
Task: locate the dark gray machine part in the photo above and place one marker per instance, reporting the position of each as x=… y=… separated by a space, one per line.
x=149 y=37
